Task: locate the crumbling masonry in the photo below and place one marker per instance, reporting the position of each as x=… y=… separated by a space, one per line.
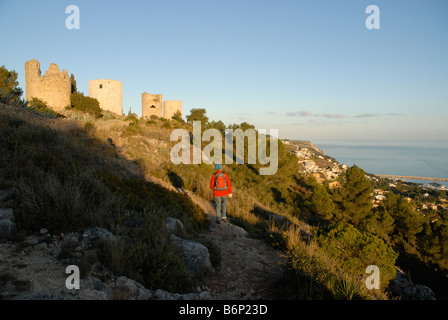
x=153 y=104
x=109 y=94
x=53 y=87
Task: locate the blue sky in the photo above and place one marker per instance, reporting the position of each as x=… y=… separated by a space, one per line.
x=308 y=68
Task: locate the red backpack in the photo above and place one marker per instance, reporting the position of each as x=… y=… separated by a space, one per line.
x=220 y=182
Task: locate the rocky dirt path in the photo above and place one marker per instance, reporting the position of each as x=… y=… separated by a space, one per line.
x=250 y=269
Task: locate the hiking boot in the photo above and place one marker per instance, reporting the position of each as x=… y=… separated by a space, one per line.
x=218 y=221
x=224 y=219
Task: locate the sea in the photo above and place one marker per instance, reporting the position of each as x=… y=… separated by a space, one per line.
x=407 y=158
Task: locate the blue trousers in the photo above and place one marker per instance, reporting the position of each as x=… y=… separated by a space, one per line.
x=221 y=207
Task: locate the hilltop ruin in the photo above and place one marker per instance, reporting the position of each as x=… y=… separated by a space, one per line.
x=54 y=88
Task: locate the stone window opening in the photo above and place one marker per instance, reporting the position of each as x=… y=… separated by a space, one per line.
x=101 y=86
x=153 y=106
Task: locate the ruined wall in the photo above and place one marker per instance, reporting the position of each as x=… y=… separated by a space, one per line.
x=152 y=104
x=109 y=94
x=53 y=87
x=171 y=107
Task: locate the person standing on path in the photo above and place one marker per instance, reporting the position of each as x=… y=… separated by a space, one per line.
x=222 y=188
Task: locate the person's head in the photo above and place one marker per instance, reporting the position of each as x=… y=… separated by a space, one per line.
x=217 y=166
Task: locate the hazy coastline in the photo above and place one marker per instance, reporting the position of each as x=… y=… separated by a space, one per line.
x=418 y=159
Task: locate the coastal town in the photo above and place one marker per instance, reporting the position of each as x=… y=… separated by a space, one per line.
x=313 y=162
x=429 y=199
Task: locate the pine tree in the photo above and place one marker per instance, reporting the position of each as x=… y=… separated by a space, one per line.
x=74 y=88
x=320 y=202
x=408 y=223
x=354 y=199
x=198 y=114
x=9 y=83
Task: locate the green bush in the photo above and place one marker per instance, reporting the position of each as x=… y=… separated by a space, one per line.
x=167 y=125
x=85 y=104
x=318 y=276
x=132 y=130
x=144 y=253
x=178 y=116
x=40 y=107
x=355 y=251
x=89 y=127
x=9 y=86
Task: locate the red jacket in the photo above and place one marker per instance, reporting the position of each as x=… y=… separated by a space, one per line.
x=220 y=193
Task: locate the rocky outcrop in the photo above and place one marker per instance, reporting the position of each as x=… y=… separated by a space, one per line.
x=401 y=286
x=173 y=224
x=194 y=254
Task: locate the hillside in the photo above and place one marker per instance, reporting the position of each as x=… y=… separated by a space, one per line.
x=56 y=226
x=141 y=227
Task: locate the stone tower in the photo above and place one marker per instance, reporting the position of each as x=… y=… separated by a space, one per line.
x=109 y=94
x=53 y=87
x=171 y=107
x=152 y=104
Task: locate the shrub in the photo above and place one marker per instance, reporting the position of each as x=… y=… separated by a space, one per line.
x=178 y=116
x=132 y=130
x=144 y=253
x=85 y=104
x=40 y=107
x=318 y=274
x=355 y=250
x=89 y=127
x=167 y=125
x=132 y=118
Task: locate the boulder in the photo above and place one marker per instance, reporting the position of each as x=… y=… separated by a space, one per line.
x=8 y=225
x=70 y=241
x=128 y=289
x=402 y=286
x=93 y=288
x=195 y=255
x=97 y=233
x=172 y=224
